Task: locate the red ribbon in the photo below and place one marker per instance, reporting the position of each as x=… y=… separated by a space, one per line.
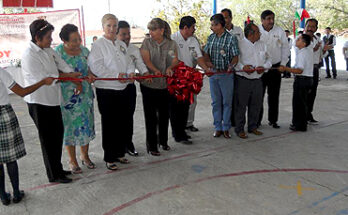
x=185 y=82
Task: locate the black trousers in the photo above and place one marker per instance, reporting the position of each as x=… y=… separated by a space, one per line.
x=178 y=117
x=271 y=81
x=131 y=93
x=313 y=92
x=288 y=64
x=115 y=122
x=248 y=99
x=49 y=123
x=331 y=55
x=156 y=112
x=302 y=86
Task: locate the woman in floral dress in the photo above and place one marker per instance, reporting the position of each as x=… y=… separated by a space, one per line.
x=77 y=102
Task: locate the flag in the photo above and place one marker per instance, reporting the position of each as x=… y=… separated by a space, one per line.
x=304 y=14
x=301 y=14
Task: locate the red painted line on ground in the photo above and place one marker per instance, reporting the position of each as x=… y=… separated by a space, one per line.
x=263 y=171
x=175 y=157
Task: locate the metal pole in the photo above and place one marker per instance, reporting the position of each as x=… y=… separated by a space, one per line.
x=214 y=6
x=302 y=6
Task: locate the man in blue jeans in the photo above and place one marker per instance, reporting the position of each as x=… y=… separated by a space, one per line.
x=221 y=53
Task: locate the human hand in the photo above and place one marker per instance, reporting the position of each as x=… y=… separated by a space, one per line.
x=281 y=68
x=148 y=80
x=131 y=76
x=248 y=69
x=122 y=75
x=78 y=89
x=48 y=81
x=260 y=69
x=169 y=72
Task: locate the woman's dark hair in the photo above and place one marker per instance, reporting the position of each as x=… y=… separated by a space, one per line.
x=39 y=28
x=306 y=39
x=218 y=18
x=187 y=21
x=122 y=24
x=67 y=30
x=266 y=13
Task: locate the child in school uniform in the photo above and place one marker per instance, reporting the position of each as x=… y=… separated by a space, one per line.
x=11 y=140
x=303 y=71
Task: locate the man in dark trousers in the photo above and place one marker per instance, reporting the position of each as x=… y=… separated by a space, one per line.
x=330 y=40
x=277 y=44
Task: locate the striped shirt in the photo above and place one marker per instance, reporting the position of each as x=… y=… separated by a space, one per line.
x=222 y=49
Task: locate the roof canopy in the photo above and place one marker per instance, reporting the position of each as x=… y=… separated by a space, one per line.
x=27 y=3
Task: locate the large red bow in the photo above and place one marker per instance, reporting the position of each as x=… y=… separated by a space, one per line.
x=185 y=82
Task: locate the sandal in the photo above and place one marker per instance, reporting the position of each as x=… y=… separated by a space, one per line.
x=89 y=164
x=122 y=160
x=75 y=169
x=111 y=166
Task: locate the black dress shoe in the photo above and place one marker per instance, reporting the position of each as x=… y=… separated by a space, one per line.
x=274 y=125
x=192 y=128
x=166 y=147
x=293 y=128
x=62 y=179
x=7 y=200
x=65 y=172
x=132 y=152
x=17 y=198
x=328 y=77
x=185 y=142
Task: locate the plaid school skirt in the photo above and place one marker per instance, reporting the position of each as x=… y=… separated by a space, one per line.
x=11 y=140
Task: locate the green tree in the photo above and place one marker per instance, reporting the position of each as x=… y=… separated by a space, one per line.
x=173 y=10
x=333 y=13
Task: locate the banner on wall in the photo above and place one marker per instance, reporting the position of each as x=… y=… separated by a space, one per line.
x=15 y=34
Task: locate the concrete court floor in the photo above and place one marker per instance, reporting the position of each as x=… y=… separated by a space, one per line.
x=281 y=172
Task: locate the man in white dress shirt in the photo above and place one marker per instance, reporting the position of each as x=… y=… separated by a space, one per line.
x=248 y=89
x=133 y=54
x=238 y=32
x=189 y=51
x=310 y=29
x=277 y=45
x=230 y=27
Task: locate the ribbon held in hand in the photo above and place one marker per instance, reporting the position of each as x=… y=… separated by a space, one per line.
x=185 y=82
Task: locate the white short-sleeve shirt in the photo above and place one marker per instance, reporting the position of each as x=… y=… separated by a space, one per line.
x=304 y=61
x=236 y=31
x=6 y=82
x=188 y=50
x=38 y=64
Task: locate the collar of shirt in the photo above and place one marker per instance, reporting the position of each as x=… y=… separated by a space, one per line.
x=34 y=47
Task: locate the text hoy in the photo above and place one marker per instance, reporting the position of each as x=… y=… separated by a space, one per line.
x=5 y=53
